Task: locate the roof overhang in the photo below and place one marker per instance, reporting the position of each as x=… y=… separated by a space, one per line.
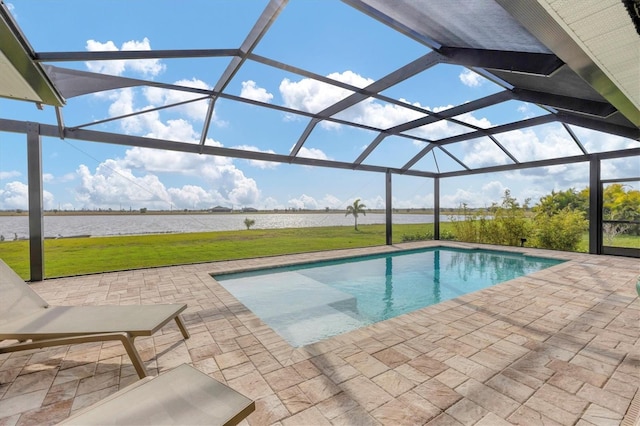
x=20 y=76
x=596 y=42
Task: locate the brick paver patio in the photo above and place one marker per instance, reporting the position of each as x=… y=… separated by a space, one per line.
x=561 y=346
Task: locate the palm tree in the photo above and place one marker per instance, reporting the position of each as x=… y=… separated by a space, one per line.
x=355 y=209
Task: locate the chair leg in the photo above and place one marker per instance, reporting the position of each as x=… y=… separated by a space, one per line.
x=134 y=356
x=182 y=327
x=124 y=338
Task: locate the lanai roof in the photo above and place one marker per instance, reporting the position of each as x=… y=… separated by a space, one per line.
x=578 y=61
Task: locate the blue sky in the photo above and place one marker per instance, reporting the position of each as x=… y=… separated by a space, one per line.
x=326 y=37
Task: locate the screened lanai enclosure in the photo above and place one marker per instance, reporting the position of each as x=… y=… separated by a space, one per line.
x=573 y=66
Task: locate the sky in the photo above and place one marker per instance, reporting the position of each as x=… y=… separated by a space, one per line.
x=326 y=37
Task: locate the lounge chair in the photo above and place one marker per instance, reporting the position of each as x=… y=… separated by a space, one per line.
x=182 y=396
x=27 y=318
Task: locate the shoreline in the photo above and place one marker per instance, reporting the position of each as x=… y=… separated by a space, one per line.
x=205 y=212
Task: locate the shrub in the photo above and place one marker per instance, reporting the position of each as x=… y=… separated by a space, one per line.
x=447 y=235
x=468 y=228
x=427 y=235
x=560 y=231
x=508 y=225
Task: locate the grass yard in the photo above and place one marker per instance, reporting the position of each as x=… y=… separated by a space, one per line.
x=78 y=256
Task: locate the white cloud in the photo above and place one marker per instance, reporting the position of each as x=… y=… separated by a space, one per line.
x=150 y=124
x=67 y=177
x=494 y=190
x=160 y=161
x=469 y=197
x=177 y=130
x=271 y=203
x=470 y=119
x=303 y=202
x=313 y=96
x=471 y=79
x=482 y=153
x=10 y=174
x=594 y=141
x=415 y=202
x=525 y=109
x=372 y=203
x=112 y=184
x=251 y=91
x=122 y=104
x=15 y=195
x=192 y=196
x=537 y=144
x=135 y=179
x=193 y=110
x=331 y=201
x=240 y=189
x=145 y=67
x=383 y=116
x=491 y=192
x=316 y=153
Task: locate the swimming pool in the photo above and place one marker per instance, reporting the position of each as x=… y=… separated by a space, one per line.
x=310 y=302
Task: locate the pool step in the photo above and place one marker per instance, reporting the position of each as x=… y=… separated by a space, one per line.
x=299 y=308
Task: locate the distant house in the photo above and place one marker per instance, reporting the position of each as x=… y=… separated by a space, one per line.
x=249 y=210
x=220 y=209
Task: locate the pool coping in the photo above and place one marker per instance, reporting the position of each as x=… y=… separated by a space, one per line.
x=348 y=255
x=280 y=346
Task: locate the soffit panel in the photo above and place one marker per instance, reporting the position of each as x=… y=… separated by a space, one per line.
x=480 y=24
x=607 y=33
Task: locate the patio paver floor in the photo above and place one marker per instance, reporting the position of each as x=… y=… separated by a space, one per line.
x=560 y=346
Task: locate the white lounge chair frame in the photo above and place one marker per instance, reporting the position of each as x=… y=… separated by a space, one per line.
x=27 y=318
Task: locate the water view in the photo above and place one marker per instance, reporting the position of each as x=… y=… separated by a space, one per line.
x=12 y=227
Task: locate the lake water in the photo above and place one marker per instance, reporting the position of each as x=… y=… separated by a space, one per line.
x=102 y=225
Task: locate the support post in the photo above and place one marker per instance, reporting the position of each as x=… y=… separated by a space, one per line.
x=595 y=207
x=436 y=208
x=389 y=206
x=36 y=225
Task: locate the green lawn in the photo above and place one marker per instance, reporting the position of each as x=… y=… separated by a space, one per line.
x=77 y=256
x=74 y=256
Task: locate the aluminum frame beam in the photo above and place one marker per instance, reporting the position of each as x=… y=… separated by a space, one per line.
x=543 y=64
x=388 y=208
x=480 y=133
x=36 y=218
x=268 y=16
x=52 y=131
x=584 y=106
x=113 y=55
x=595 y=207
x=421 y=64
x=436 y=208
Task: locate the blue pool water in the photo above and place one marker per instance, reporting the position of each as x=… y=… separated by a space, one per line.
x=310 y=302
